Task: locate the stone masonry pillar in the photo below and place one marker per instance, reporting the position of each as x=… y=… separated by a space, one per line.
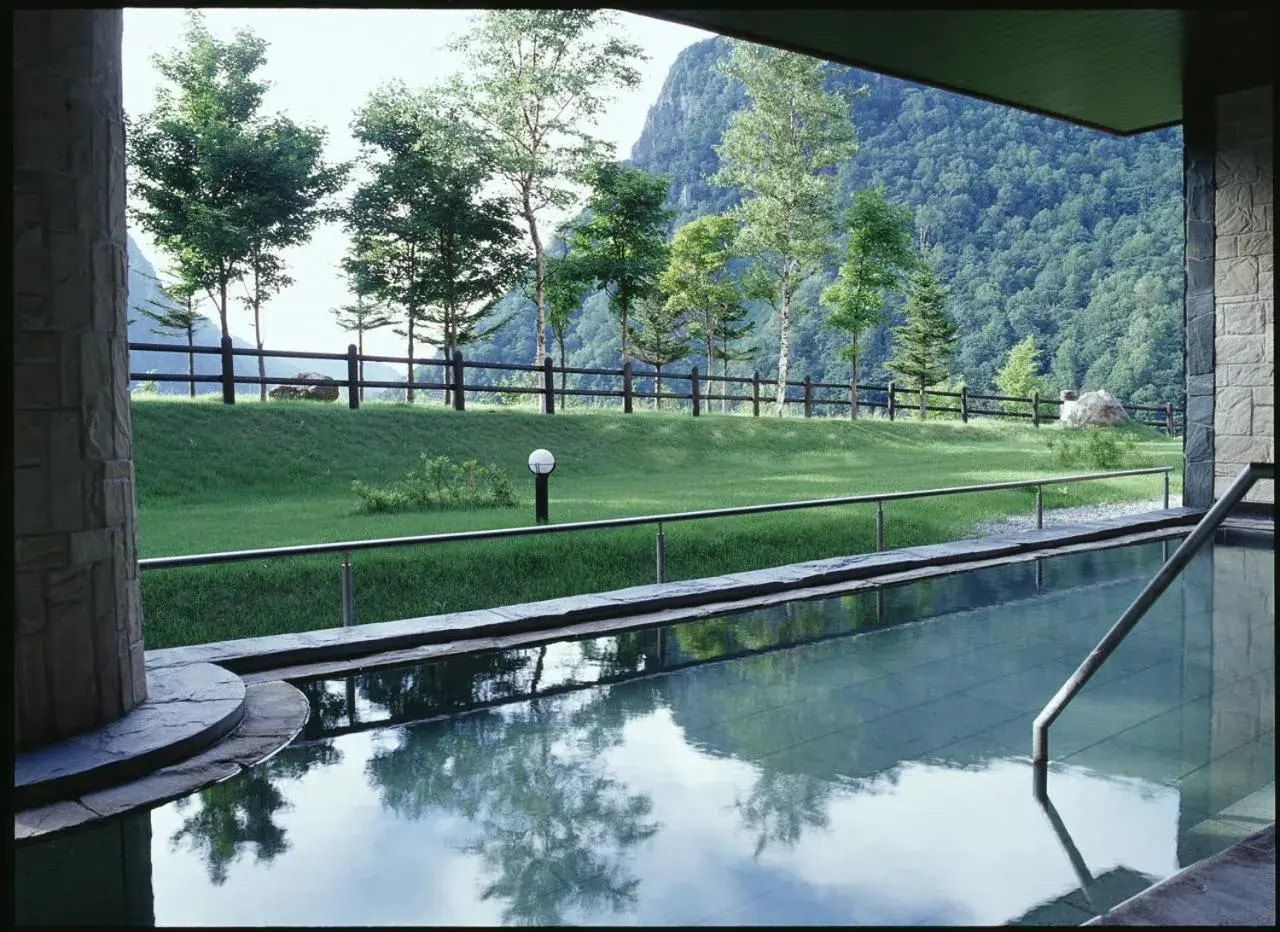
x=78 y=638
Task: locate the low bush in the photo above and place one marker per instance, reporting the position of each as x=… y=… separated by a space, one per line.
x=1099 y=447
x=438 y=482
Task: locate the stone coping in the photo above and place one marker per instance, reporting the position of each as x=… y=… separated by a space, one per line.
x=187 y=708
x=605 y=626
x=274 y=713
x=249 y=655
x=1232 y=888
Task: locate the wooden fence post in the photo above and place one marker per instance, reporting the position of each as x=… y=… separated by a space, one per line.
x=548 y=386
x=693 y=382
x=893 y=404
x=755 y=393
x=1168 y=418
x=459 y=400
x=808 y=397
x=353 y=377
x=964 y=404
x=1035 y=408
x=228 y=373
x=626 y=387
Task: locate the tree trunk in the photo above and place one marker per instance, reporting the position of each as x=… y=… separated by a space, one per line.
x=657 y=388
x=222 y=301
x=724 y=372
x=257 y=333
x=539 y=277
x=408 y=393
x=853 y=384
x=622 y=302
x=360 y=372
x=922 y=408
x=784 y=347
x=563 y=374
x=191 y=362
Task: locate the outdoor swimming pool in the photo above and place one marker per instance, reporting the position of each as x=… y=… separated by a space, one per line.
x=853 y=760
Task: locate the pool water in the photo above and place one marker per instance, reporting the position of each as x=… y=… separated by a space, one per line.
x=851 y=760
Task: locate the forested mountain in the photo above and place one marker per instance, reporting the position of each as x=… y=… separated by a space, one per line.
x=1041 y=228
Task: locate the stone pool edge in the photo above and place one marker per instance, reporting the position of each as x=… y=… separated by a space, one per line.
x=335 y=645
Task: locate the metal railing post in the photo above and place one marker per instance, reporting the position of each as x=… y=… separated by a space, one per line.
x=1039 y=507
x=879 y=525
x=1166 y=491
x=353 y=377
x=228 y=372
x=1202 y=532
x=660 y=555
x=348 y=594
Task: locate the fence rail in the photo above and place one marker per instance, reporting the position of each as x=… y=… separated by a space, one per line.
x=889 y=397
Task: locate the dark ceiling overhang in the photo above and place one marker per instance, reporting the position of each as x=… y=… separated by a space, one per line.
x=1119 y=71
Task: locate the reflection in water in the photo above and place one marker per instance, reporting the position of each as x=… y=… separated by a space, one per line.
x=227 y=818
x=551 y=829
x=777 y=771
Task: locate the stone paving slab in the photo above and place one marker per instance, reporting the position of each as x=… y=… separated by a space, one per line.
x=274 y=713
x=248 y=655
x=187 y=708
x=1234 y=887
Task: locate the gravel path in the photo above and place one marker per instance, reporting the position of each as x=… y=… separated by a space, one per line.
x=1076 y=515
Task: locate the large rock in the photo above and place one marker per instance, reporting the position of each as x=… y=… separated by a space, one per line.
x=328 y=391
x=1093 y=409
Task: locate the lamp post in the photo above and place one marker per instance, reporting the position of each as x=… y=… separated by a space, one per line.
x=541 y=464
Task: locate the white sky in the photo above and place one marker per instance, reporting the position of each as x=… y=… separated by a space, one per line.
x=322 y=65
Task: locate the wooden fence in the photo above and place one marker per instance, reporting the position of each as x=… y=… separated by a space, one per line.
x=812 y=396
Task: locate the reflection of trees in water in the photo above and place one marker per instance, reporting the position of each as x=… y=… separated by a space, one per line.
x=782 y=805
x=242 y=811
x=550 y=828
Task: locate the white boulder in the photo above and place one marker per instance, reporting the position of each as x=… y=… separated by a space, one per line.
x=1093 y=409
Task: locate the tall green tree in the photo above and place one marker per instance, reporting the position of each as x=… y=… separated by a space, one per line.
x=699 y=285
x=288 y=190
x=658 y=336
x=537 y=80
x=1018 y=376
x=878 y=254
x=364 y=316
x=177 y=312
x=780 y=152
x=922 y=353
x=623 y=245
x=190 y=157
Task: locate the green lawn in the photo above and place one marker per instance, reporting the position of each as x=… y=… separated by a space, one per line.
x=214 y=477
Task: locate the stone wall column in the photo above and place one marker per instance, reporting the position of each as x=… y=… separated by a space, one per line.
x=1199 y=145
x=78 y=639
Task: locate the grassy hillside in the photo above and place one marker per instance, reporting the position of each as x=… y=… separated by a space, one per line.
x=212 y=477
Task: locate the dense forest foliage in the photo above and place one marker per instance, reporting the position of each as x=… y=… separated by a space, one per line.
x=1041 y=229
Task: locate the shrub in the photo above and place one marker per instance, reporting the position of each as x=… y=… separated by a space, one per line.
x=1100 y=447
x=438 y=482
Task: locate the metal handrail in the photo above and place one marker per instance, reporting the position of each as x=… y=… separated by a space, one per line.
x=204 y=559
x=1133 y=614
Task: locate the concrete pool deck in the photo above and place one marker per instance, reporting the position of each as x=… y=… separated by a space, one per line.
x=1236 y=887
